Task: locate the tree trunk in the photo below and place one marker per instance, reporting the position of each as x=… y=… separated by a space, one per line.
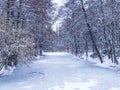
x=104 y=30
x=90 y=32
x=86 y=48
x=8 y=15
x=113 y=31
x=19 y=14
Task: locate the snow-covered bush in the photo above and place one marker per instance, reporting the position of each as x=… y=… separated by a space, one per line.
x=24 y=29
x=17 y=46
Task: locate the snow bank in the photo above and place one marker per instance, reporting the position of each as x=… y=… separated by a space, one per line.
x=7 y=71
x=107 y=63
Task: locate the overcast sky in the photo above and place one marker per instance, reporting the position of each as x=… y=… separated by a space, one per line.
x=59 y=2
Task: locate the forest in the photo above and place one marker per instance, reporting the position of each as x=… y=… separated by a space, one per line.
x=25 y=30
x=60 y=44
x=86 y=26
x=92 y=26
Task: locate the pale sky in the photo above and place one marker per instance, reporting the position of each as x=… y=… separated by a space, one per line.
x=58 y=22
x=59 y=2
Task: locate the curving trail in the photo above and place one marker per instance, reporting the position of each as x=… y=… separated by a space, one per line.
x=61 y=71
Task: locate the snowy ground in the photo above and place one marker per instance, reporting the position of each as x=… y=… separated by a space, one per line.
x=61 y=71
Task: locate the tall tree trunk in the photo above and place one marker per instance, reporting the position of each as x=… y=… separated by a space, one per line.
x=19 y=14
x=41 y=39
x=7 y=25
x=113 y=31
x=113 y=45
x=86 y=48
x=8 y=15
x=107 y=46
x=90 y=32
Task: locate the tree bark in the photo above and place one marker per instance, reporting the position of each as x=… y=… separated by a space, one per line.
x=19 y=14
x=113 y=31
x=90 y=32
x=8 y=15
x=104 y=30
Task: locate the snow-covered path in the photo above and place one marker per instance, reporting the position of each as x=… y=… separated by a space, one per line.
x=61 y=71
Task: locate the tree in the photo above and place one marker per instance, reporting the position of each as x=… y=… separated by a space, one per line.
x=91 y=25
x=90 y=31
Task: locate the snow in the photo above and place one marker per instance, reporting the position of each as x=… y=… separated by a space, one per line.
x=7 y=71
x=61 y=71
x=115 y=89
x=75 y=85
x=106 y=64
x=59 y=2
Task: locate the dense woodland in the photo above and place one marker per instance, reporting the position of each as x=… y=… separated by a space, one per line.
x=92 y=26
x=87 y=26
x=25 y=30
